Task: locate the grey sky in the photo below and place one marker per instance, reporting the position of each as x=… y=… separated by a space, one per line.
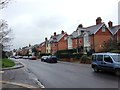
x=33 y=20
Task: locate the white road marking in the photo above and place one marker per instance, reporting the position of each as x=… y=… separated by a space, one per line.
x=18 y=84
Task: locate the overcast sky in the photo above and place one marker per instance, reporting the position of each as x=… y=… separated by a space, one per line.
x=33 y=20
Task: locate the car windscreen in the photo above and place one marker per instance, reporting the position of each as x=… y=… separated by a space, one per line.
x=116 y=58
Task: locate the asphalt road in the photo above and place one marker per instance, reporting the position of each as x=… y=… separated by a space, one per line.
x=69 y=75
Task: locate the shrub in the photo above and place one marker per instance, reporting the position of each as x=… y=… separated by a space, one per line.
x=84 y=58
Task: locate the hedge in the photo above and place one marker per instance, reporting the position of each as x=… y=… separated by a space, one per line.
x=68 y=54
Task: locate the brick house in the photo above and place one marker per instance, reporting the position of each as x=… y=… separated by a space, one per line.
x=115 y=32
x=98 y=35
x=92 y=37
x=75 y=40
x=58 y=42
x=42 y=47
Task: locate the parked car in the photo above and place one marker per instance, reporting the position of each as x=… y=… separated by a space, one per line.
x=51 y=59
x=32 y=57
x=17 y=57
x=106 y=61
x=44 y=58
x=25 y=57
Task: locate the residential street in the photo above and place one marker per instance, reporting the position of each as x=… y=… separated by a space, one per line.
x=69 y=75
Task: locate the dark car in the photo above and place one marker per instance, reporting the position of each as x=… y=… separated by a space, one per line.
x=44 y=58
x=51 y=59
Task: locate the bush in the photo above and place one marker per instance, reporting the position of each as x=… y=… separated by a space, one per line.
x=85 y=59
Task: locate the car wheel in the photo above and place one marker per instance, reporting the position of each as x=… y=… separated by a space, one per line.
x=117 y=72
x=95 y=68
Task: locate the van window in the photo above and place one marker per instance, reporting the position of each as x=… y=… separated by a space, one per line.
x=107 y=58
x=99 y=57
x=116 y=57
x=93 y=57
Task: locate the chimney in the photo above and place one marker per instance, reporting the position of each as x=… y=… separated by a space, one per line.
x=110 y=23
x=46 y=39
x=62 y=32
x=80 y=26
x=54 y=33
x=98 y=20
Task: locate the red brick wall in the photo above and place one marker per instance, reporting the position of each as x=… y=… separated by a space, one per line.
x=54 y=47
x=118 y=34
x=92 y=41
x=77 y=42
x=42 y=48
x=74 y=43
x=99 y=38
x=62 y=44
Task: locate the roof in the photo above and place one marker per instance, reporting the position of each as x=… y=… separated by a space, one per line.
x=93 y=29
x=74 y=34
x=115 y=29
x=42 y=44
x=56 y=38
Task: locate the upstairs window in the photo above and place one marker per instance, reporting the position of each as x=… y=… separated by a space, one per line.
x=104 y=28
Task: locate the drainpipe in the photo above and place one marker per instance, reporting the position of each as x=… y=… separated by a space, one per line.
x=93 y=42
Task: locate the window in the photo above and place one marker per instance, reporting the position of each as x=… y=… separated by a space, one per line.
x=65 y=38
x=99 y=57
x=94 y=57
x=47 y=51
x=103 y=29
x=54 y=45
x=107 y=58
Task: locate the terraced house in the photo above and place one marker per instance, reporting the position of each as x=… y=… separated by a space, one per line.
x=86 y=39
x=55 y=43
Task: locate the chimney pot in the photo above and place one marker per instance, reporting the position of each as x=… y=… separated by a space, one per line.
x=54 y=33
x=80 y=26
x=62 y=32
x=110 y=23
x=98 y=20
x=46 y=39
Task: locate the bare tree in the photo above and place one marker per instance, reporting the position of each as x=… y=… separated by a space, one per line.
x=4 y=29
x=3 y=3
x=4 y=34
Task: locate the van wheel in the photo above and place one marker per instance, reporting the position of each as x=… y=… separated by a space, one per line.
x=117 y=72
x=95 y=68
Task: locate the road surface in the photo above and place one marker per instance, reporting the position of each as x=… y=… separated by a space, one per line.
x=69 y=75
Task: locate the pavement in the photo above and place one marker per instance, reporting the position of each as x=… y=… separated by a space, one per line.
x=18 y=77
